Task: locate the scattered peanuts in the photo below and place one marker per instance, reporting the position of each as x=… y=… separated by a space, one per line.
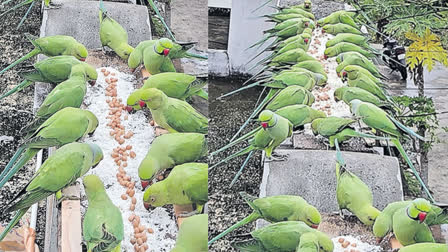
x=131 y=218
x=354 y=245
x=345 y=244
x=150 y=230
x=341 y=240
x=132 y=207
x=124 y=197
x=132 y=154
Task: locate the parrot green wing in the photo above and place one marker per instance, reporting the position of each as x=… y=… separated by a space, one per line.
x=197 y=186
x=376 y=118
x=188 y=121
x=332 y=125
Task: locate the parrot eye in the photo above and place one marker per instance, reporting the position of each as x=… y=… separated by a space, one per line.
x=153 y=199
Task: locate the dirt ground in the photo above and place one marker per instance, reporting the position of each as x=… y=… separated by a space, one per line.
x=16 y=110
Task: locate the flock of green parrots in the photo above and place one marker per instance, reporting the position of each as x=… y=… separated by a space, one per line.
x=60 y=122
x=289 y=74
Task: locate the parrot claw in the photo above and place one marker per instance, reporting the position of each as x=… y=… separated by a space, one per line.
x=277 y=158
x=67 y=197
x=187 y=214
x=53 y=6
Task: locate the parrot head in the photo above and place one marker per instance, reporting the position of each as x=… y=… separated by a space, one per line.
x=350 y=72
x=354 y=105
x=92 y=75
x=133 y=101
x=92 y=183
x=312 y=216
x=419 y=209
x=153 y=98
x=307 y=5
x=308 y=242
x=78 y=70
x=164 y=46
x=124 y=51
x=80 y=52
x=329 y=52
x=325 y=243
x=314 y=124
x=368 y=215
x=93 y=122
x=326 y=28
x=97 y=154
x=264 y=118
x=339 y=93
x=147 y=170
x=155 y=196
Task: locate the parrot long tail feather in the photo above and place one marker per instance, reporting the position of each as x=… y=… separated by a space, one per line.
x=31 y=54
x=409 y=162
x=360 y=134
x=11 y=169
x=16 y=7
x=156 y=10
x=237 y=141
x=197 y=56
x=261 y=41
x=405 y=129
x=26 y=15
x=265 y=59
x=265 y=101
x=102 y=8
x=11 y=162
x=256 y=75
x=201 y=93
x=19 y=87
x=260 y=53
x=13 y=222
x=339 y=157
x=261 y=6
x=239 y=90
x=240 y=171
x=251 y=218
x=234 y=155
x=248 y=246
x=33 y=125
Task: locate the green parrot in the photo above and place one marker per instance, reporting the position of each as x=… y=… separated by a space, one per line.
x=298 y=115
x=52 y=70
x=352 y=193
x=52 y=46
x=347 y=94
x=69 y=93
x=426 y=246
x=358 y=79
x=339 y=17
x=186 y=184
x=335 y=29
x=343 y=47
x=113 y=35
x=277 y=127
x=286 y=58
x=296 y=22
x=282 y=237
x=358 y=40
x=306 y=5
x=300 y=39
x=65 y=126
x=301 y=8
x=169 y=150
x=61 y=169
x=408 y=223
x=363 y=73
x=302 y=43
x=172 y=114
x=178 y=50
x=383 y=224
x=102 y=226
x=176 y=85
x=378 y=119
x=309 y=242
x=313 y=66
x=193 y=234
x=337 y=128
x=276 y=209
x=280 y=16
x=156 y=59
x=356 y=58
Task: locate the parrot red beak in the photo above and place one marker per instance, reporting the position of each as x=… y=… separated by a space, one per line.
x=314 y=226
x=145 y=183
x=142 y=104
x=129 y=109
x=307 y=24
x=306 y=41
x=147 y=205
x=422 y=216
x=166 y=51
x=323 y=31
x=339 y=74
x=92 y=82
x=379 y=239
x=133 y=70
x=325 y=56
x=82 y=59
x=264 y=125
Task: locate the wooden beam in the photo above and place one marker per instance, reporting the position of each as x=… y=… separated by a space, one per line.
x=71 y=239
x=394 y=243
x=51 y=221
x=179 y=209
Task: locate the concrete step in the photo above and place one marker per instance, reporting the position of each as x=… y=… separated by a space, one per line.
x=80 y=19
x=311 y=174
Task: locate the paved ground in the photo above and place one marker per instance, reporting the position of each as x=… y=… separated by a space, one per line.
x=436 y=87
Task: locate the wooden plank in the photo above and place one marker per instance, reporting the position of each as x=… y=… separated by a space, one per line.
x=218 y=30
x=394 y=243
x=71 y=238
x=51 y=220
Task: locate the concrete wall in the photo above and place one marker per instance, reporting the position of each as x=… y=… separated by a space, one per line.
x=245 y=30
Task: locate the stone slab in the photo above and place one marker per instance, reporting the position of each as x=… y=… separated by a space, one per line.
x=311 y=174
x=80 y=19
x=218 y=63
x=189 y=22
